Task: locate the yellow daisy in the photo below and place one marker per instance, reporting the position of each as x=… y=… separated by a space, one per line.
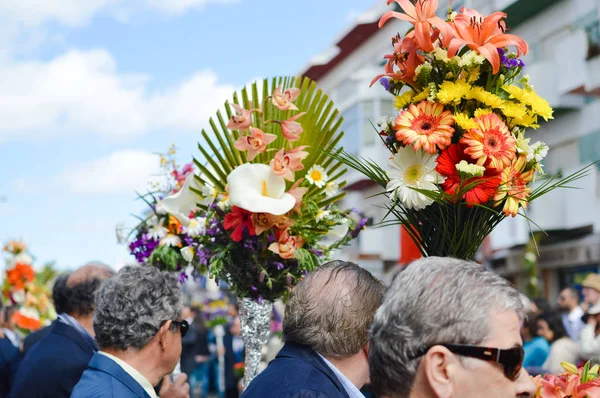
x=453 y=92
x=464 y=121
x=403 y=100
x=491 y=100
x=421 y=96
x=513 y=110
x=479 y=112
x=529 y=97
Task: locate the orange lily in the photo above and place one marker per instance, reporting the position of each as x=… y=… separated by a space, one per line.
x=405 y=57
x=422 y=15
x=484 y=35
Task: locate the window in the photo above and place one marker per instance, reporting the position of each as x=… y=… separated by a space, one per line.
x=592 y=32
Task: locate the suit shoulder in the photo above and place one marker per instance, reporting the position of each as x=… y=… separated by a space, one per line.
x=93 y=385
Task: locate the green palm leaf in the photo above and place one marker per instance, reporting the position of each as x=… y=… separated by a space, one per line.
x=321 y=125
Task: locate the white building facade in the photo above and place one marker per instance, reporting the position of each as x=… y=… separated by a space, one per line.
x=564 y=65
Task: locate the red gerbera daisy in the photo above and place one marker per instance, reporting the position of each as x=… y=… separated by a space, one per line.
x=486 y=185
x=239 y=220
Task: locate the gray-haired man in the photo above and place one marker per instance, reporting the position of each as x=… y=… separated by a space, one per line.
x=448 y=328
x=139 y=330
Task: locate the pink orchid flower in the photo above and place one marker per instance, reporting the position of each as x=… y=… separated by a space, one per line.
x=254 y=143
x=298 y=193
x=284 y=101
x=422 y=15
x=284 y=164
x=286 y=245
x=241 y=120
x=291 y=129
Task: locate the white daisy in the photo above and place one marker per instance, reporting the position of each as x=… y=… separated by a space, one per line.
x=331 y=188
x=157 y=232
x=413 y=169
x=171 y=240
x=317 y=176
x=187 y=253
x=224 y=202
x=322 y=214
x=196 y=227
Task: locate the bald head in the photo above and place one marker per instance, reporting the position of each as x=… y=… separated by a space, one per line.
x=83 y=284
x=332 y=308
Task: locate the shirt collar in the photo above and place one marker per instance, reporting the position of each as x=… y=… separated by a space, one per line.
x=350 y=388
x=131 y=371
x=576 y=314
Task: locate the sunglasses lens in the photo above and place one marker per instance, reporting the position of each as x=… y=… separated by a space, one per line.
x=514 y=364
x=184 y=328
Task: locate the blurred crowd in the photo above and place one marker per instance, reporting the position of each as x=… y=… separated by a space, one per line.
x=567 y=331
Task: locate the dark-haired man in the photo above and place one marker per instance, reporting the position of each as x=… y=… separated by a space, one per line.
x=54 y=365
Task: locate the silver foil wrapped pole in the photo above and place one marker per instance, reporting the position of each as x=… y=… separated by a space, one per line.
x=255 y=320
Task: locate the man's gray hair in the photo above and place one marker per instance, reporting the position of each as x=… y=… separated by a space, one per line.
x=332 y=308
x=434 y=300
x=132 y=306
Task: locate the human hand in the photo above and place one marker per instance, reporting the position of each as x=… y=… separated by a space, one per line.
x=221 y=350
x=177 y=389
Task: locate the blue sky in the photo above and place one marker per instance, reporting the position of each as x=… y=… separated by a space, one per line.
x=91 y=89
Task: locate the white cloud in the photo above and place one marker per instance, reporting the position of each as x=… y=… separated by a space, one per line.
x=181 y=6
x=120 y=172
x=79 y=12
x=83 y=92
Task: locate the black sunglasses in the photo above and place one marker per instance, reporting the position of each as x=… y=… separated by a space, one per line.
x=183 y=326
x=511 y=359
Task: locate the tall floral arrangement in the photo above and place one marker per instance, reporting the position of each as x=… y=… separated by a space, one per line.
x=160 y=239
x=266 y=194
x=266 y=197
x=23 y=288
x=460 y=159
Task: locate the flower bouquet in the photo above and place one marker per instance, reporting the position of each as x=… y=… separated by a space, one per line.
x=23 y=288
x=266 y=197
x=575 y=383
x=460 y=159
x=160 y=239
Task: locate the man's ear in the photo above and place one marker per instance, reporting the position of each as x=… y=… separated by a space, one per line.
x=439 y=365
x=162 y=334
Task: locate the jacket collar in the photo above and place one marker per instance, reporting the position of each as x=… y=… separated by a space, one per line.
x=88 y=345
x=106 y=365
x=308 y=355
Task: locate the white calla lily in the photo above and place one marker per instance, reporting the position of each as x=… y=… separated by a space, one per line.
x=336 y=233
x=181 y=203
x=255 y=188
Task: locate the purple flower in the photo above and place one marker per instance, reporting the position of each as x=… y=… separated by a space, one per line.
x=254 y=289
x=183 y=277
x=501 y=51
x=317 y=252
x=142 y=247
x=389 y=139
x=260 y=299
x=385 y=82
x=359 y=227
x=521 y=63
x=279 y=265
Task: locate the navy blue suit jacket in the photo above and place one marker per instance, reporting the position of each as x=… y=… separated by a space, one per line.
x=54 y=365
x=296 y=372
x=9 y=359
x=104 y=378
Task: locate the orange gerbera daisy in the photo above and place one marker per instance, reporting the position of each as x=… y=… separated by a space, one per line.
x=425 y=125
x=490 y=142
x=27 y=319
x=513 y=187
